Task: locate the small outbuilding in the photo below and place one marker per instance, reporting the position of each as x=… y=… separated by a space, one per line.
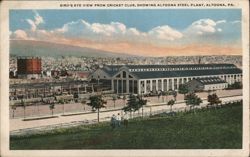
x=205 y=84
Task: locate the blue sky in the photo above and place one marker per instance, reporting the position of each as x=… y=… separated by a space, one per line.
x=143 y=20
x=156 y=27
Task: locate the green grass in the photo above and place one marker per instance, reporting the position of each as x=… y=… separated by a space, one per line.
x=206 y=129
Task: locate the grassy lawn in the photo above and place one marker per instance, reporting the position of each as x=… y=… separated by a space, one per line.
x=206 y=129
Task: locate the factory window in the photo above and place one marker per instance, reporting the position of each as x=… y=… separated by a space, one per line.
x=124 y=74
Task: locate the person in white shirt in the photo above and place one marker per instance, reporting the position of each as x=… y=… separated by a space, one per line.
x=125 y=118
x=118 y=119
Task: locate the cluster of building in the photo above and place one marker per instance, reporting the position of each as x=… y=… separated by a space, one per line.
x=81 y=67
x=116 y=78
x=36 y=68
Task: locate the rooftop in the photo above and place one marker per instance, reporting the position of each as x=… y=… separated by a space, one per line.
x=211 y=80
x=184 y=73
x=180 y=70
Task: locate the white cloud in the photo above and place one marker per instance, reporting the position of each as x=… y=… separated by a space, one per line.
x=116 y=31
x=201 y=30
x=36 y=22
x=165 y=33
x=83 y=28
x=19 y=34
x=134 y=31
x=32 y=24
x=38 y=18
x=202 y=26
x=221 y=21
x=235 y=22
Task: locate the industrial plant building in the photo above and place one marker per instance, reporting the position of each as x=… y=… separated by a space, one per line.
x=207 y=84
x=29 y=67
x=143 y=79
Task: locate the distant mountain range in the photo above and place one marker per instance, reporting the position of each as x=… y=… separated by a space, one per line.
x=41 y=48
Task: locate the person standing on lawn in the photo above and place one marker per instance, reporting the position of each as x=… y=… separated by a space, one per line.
x=125 y=119
x=113 y=121
x=118 y=119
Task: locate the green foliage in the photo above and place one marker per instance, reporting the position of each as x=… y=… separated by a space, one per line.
x=183 y=89
x=114 y=98
x=213 y=99
x=96 y=102
x=52 y=106
x=134 y=103
x=236 y=85
x=174 y=95
x=23 y=104
x=163 y=93
x=13 y=107
x=171 y=103
x=193 y=100
x=131 y=105
x=141 y=103
x=124 y=97
x=61 y=101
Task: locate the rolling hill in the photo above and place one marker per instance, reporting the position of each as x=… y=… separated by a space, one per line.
x=41 y=48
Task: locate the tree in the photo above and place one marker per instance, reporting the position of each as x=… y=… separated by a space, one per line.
x=124 y=99
x=174 y=95
x=159 y=95
x=23 y=104
x=134 y=103
x=163 y=93
x=61 y=101
x=193 y=100
x=213 y=99
x=83 y=102
x=131 y=104
x=13 y=107
x=96 y=102
x=52 y=107
x=235 y=85
x=171 y=103
x=141 y=103
x=183 y=89
x=114 y=99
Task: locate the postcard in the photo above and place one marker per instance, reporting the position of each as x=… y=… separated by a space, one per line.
x=125 y=78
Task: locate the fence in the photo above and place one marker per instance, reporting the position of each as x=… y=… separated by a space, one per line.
x=133 y=115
